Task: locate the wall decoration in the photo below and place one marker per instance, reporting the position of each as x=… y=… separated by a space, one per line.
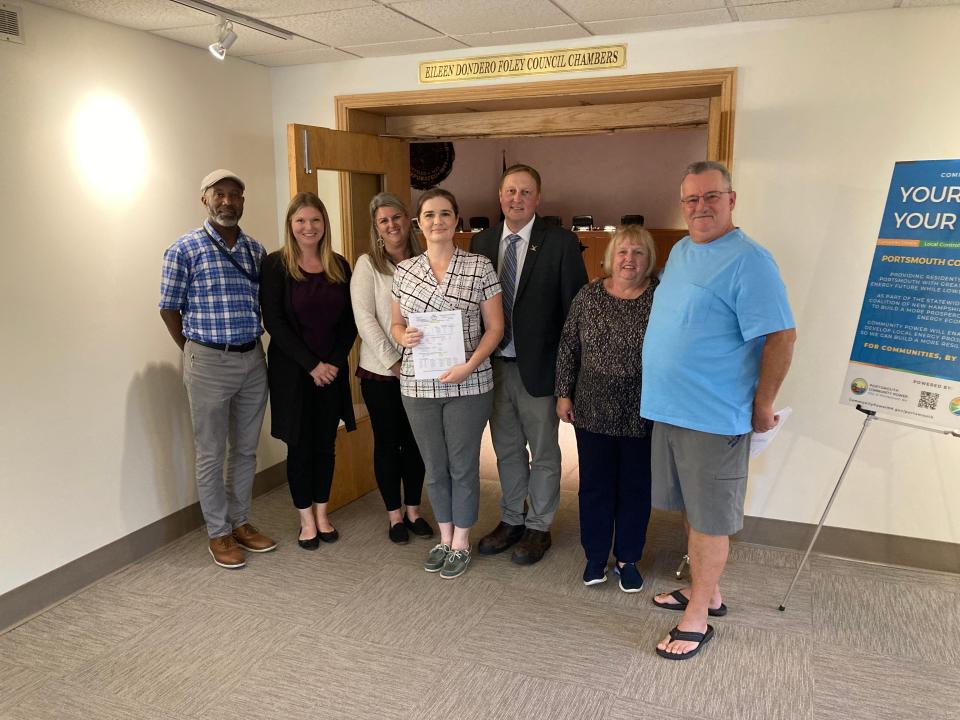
x=430 y=163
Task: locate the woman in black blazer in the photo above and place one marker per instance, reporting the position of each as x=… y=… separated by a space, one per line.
x=305 y=298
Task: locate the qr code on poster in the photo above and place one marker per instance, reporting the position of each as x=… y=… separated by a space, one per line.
x=928 y=400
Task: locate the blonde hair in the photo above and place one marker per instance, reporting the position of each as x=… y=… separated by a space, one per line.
x=290 y=252
x=382 y=262
x=632 y=235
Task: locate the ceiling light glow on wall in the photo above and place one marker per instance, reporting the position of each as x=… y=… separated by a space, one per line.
x=109 y=147
x=226 y=37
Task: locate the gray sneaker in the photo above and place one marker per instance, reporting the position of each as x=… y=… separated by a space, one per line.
x=436 y=558
x=456 y=563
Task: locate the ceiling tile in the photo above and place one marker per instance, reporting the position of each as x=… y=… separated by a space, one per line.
x=279 y=8
x=356 y=26
x=300 y=57
x=594 y=10
x=249 y=42
x=803 y=8
x=529 y=35
x=138 y=14
x=406 y=47
x=483 y=16
x=660 y=22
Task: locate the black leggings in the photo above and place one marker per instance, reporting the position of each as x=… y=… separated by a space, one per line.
x=396 y=458
x=310 y=462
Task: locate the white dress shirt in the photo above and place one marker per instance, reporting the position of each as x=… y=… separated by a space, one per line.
x=522 y=244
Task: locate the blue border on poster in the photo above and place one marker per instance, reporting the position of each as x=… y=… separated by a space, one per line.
x=910 y=318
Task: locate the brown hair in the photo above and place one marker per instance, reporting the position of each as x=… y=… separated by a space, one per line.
x=632 y=235
x=435 y=193
x=290 y=252
x=381 y=260
x=518 y=168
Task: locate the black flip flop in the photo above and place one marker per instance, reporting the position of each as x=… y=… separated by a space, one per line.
x=681 y=604
x=678 y=634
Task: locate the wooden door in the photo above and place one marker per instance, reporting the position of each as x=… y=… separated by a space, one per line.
x=368 y=164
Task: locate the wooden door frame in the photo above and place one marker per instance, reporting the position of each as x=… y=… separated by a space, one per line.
x=366 y=112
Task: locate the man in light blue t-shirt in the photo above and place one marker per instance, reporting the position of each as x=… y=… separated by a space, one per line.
x=716 y=350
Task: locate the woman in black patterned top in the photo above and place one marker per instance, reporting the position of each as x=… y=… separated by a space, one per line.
x=598 y=390
x=448 y=413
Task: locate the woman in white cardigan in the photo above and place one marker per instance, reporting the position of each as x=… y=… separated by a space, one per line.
x=396 y=459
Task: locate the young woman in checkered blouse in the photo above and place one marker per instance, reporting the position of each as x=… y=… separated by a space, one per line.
x=448 y=414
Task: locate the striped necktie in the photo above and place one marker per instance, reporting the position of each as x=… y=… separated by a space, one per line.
x=508 y=287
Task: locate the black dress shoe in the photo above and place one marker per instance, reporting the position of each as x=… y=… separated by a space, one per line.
x=329 y=537
x=310 y=543
x=419 y=527
x=502 y=538
x=398 y=534
x=531 y=547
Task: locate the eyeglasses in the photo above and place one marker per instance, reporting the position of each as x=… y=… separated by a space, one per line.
x=709 y=198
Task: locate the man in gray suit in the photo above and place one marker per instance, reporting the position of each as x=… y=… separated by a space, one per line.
x=540 y=271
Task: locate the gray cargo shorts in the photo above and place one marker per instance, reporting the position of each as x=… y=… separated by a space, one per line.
x=702 y=474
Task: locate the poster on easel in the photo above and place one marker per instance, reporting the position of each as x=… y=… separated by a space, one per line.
x=905 y=361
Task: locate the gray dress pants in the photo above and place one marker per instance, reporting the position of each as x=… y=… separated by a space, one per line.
x=228 y=395
x=448 y=432
x=519 y=420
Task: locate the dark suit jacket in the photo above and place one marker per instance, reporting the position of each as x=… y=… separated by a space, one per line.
x=289 y=359
x=552 y=273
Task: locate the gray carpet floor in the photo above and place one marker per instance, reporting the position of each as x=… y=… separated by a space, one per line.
x=358 y=630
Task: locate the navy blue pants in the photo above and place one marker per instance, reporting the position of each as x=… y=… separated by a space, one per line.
x=614 y=495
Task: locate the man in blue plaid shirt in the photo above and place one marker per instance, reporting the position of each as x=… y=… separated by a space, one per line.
x=209 y=301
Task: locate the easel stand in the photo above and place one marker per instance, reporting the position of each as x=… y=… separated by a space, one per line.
x=871 y=415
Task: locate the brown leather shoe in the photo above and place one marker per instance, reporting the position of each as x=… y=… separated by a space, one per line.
x=503 y=537
x=531 y=547
x=251 y=539
x=226 y=553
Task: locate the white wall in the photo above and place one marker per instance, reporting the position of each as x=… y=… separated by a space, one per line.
x=825 y=106
x=95 y=437
x=601 y=175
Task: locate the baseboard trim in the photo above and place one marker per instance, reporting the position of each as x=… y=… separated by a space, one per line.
x=853 y=544
x=26 y=601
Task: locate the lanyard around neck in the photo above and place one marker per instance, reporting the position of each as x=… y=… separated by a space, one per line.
x=229 y=256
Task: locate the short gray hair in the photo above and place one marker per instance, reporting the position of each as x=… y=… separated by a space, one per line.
x=702 y=166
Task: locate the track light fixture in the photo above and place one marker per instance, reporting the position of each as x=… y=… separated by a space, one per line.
x=226 y=37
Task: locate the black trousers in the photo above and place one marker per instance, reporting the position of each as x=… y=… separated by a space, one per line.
x=614 y=495
x=310 y=462
x=396 y=458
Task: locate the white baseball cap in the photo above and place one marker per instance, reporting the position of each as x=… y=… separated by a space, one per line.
x=218 y=175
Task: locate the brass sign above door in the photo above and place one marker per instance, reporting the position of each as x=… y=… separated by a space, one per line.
x=535 y=63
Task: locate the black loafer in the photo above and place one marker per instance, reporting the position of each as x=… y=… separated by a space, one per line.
x=310 y=543
x=419 y=527
x=398 y=534
x=329 y=537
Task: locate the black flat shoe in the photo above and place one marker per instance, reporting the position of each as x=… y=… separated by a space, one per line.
x=419 y=527
x=398 y=534
x=309 y=544
x=329 y=537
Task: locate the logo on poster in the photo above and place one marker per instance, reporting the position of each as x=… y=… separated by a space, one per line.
x=858 y=386
x=955 y=406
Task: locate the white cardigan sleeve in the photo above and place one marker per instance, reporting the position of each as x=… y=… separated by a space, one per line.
x=377 y=345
